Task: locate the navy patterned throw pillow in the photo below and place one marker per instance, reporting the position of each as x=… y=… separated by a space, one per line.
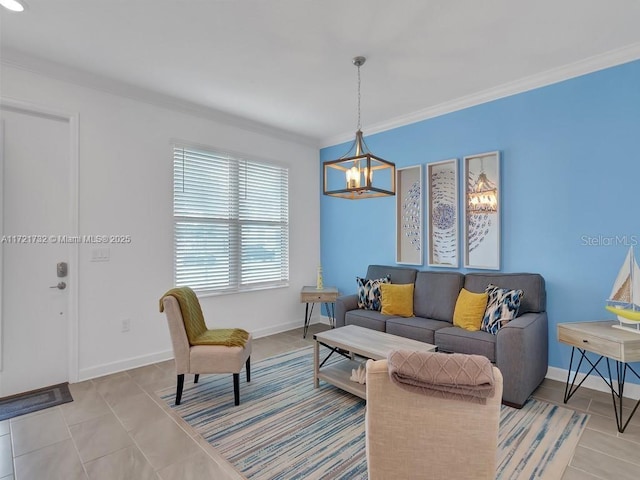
x=369 y=292
x=502 y=307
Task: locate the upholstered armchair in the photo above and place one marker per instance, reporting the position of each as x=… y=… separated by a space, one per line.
x=199 y=350
x=413 y=436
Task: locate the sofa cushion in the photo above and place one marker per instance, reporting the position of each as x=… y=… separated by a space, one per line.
x=397 y=299
x=470 y=310
x=416 y=328
x=367 y=319
x=436 y=293
x=396 y=274
x=369 y=292
x=502 y=307
x=458 y=340
x=532 y=284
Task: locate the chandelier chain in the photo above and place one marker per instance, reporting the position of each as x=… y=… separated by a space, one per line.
x=359 y=125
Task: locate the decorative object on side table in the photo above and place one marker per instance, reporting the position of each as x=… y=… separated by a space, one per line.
x=409 y=215
x=442 y=211
x=482 y=211
x=313 y=295
x=319 y=281
x=625 y=295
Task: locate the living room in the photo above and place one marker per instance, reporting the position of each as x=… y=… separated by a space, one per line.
x=566 y=134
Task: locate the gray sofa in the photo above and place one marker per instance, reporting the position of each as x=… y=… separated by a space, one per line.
x=519 y=350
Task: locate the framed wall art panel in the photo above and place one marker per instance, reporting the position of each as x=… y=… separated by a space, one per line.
x=409 y=215
x=482 y=211
x=443 y=214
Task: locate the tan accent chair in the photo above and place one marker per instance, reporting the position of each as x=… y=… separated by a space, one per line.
x=203 y=359
x=414 y=436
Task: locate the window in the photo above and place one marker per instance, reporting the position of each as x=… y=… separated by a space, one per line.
x=231 y=222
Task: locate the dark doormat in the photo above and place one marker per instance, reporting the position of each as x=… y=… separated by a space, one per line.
x=34 y=400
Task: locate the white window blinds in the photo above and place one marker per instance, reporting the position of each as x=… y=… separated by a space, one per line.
x=231 y=220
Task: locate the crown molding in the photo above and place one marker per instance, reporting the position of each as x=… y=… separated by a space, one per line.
x=592 y=64
x=16 y=59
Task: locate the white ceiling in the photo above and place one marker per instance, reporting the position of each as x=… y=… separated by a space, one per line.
x=287 y=63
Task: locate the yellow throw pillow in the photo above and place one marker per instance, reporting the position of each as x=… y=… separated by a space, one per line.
x=469 y=310
x=397 y=299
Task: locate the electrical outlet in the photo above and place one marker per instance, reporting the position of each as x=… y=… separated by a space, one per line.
x=126 y=325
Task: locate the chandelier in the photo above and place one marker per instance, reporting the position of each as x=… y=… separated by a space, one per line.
x=359 y=174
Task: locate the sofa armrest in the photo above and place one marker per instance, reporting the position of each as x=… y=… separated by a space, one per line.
x=343 y=305
x=522 y=351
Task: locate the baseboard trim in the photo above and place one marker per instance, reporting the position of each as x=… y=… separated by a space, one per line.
x=281 y=327
x=631 y=390
x=143 y=360
x=122 y=365
x=284 y=327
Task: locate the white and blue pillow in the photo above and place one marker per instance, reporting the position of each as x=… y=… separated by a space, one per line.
x=502 y=307
x=369 y=292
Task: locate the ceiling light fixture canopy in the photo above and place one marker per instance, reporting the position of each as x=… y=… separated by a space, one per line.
x=13 y=5
x=352 y=175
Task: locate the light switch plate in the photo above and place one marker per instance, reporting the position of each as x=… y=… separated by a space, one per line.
x=100 y=255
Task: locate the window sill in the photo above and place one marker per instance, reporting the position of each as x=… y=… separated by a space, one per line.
x=202 y=294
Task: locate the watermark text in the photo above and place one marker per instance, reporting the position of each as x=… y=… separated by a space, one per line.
x=609 y=240
x=64 y=239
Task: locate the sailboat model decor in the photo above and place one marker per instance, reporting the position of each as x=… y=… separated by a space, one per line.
x=625 y=296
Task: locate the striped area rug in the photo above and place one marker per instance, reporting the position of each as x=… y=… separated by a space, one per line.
x=285 y=429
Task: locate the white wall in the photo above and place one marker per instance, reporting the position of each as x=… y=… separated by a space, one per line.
x=125 y=187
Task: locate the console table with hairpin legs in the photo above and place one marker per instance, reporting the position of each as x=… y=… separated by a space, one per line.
x=313 y=295
x=602 y=339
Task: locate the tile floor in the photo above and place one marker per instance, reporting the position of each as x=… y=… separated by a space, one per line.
x=116 y=428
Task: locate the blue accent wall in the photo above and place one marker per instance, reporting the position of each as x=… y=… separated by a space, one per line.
x=570 y=177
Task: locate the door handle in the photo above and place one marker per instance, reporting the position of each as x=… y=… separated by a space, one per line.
x=60 y=286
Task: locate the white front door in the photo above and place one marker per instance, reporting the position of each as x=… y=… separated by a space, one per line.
x=37 y=212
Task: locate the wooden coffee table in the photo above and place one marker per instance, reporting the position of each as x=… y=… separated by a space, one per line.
x=350 y=341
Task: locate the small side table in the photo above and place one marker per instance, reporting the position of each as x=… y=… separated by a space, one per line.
x=313 y=295
x=609 y=343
